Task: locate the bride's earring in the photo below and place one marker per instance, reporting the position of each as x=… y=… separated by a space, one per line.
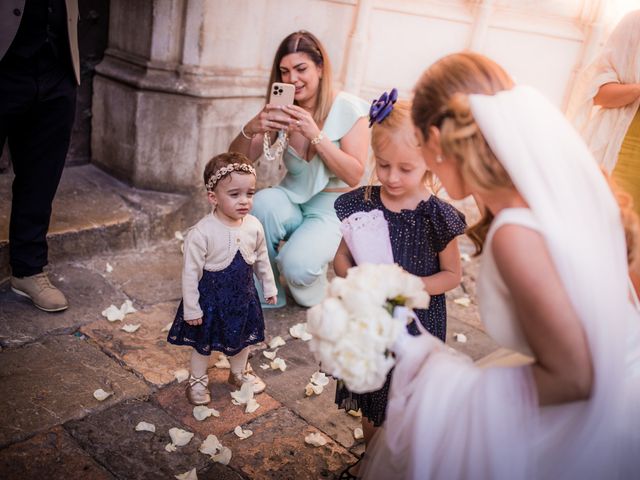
x=438 y=158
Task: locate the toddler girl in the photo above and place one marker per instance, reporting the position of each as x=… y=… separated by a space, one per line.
x=422 y=230
x=220 y=309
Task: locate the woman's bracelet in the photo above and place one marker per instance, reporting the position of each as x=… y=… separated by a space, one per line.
x=244 y=134
x=318 y=138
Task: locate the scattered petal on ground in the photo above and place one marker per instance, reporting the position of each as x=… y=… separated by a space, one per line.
x=202 y=412
x=316 y=439
x=312 y=388
x=178 y=235
x=243 y=395
x=276 y=342
x=319 y=378
x=355 y=413
x=167 y=327
x=358 y=433
x=460 y=337
x=181 y=375
x=190 y=475
x=278 y=363
x=299 y=330
x=113 y=313
x=130 y=328
x=240 y=433
x=145 y=427
x=210 y=445
x=180 y=437
x=252 y=406
x=127 y=307
x=270 y=355
x=463 y=301
x=101 y=395
x=109 y=268
x=223 y=457
x=223 y=362
x=170 y=447
x=264 y=366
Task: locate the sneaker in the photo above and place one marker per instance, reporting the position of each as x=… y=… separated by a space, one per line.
x=237 y=379
x=198 y=391
x=41 y=292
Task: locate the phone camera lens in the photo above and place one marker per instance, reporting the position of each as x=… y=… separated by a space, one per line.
x=280 y=90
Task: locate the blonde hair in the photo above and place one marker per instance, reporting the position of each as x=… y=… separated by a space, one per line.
x=396 y=125
x=630 y=222
x=305 y=42
x=441 y=100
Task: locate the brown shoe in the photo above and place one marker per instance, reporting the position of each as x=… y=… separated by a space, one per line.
x=198 y=390
x=41 y=292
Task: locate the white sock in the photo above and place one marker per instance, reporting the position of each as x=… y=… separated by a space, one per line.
x=239 y=361
x=199 y=364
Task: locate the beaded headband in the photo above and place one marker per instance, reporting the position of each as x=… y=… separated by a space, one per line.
x=226 y=170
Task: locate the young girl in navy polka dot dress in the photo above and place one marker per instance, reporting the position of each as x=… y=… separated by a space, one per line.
x=422 y=229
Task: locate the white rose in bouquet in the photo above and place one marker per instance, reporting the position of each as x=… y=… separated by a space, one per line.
x=353 y=328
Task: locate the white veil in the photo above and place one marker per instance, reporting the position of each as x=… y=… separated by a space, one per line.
x=449 y=419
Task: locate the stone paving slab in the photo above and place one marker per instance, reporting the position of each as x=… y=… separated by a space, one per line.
x=277 y=450
x=147 y=276
x=21 y=322
x=48 y=383
x=50 y=455
x=288 y=388
x=146 y=350
x=174 y=401
x=478 y=344
x=278 y=320
x=110 y=438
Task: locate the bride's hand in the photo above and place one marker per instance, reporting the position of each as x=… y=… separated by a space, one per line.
x=302 y=121
x=270 y=119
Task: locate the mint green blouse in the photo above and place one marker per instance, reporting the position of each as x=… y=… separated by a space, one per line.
x=305 y=179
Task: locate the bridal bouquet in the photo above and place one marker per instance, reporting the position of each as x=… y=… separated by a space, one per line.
x=359 y=321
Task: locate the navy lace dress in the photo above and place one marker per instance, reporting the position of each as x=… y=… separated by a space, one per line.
x=232 y=316
x=417 y=237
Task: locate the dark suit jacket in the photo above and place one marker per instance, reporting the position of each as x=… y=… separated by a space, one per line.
x=11 y=15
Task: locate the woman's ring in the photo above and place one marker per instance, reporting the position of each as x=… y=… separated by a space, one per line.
x=297 y=123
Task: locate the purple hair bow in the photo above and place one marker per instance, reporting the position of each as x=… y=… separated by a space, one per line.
x=381 y=108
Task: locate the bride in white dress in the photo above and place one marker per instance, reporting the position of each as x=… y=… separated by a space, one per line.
x=553 y=285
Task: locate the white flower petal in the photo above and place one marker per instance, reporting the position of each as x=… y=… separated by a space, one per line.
x=278 y=363
x=167 y=327
x=308 y=390
x=210 y=446
x=243 y=395
x=112 y=313
x=316 y=439
x=299 y=330
x=463 y=301
x=180 y=437
x=264 y=366
x=127 y=307
x=270 y=355
x=130 y=328
x=190 y=475
x=178 y=235
x=181 y=375
x=145 y=427
x=460 y=337
x=170 y=447
x=358 y=433
x=319 y=378
x=202 y=412
x=109 y=268
x=223 y=362
x=355 y=413
x=101 y=395
x=224 y=457
x=240 y=433
x=252 y=406
x=276 y=342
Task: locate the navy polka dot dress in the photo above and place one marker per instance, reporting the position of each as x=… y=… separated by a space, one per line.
x=417 y=237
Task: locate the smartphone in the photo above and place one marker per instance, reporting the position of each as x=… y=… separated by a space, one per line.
x=282 y=93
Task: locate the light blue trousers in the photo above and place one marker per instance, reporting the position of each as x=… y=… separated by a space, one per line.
x=312 y=234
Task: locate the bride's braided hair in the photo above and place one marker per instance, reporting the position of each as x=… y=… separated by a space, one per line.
x=441 y=100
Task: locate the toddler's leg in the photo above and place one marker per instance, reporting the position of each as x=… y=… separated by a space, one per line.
x=241 y=372
x=198 y=391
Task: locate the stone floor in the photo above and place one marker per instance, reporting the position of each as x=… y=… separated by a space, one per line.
x=50 y=364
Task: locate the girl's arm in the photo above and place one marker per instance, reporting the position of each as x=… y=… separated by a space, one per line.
x=562 y=371
x=343 y=260
x=617 y=95
x=270 y=119
x=347 y=161
x=195 y=252
x=450 y=272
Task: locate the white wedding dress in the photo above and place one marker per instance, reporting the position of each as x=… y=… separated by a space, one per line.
x=448 y=418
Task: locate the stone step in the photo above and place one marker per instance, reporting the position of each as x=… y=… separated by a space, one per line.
x=93 y=213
